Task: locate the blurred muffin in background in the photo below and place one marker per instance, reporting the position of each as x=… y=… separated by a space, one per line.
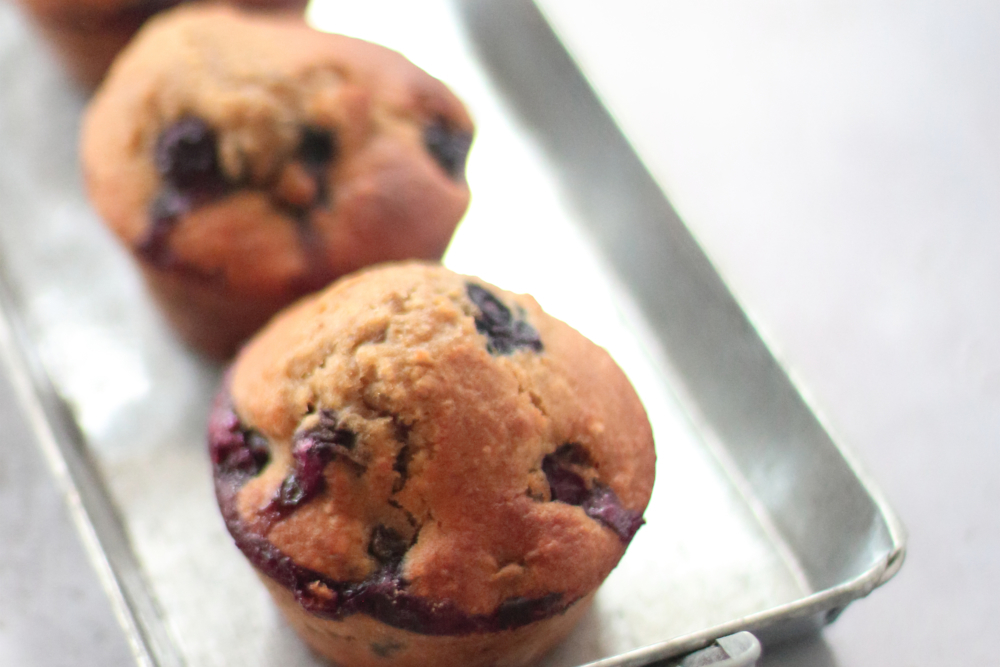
x=86 y=35
x=248 y=160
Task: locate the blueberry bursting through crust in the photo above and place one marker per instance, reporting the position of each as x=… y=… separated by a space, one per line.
x=186 y=158
x=504 y=333
x=240 y=453
x=448 y=146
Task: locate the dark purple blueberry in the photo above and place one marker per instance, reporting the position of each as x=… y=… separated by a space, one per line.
x=449 y=146
x=387 y=546
x=318 y=146
x=402 y=430
x=572 y=454
x=306 y=479
x=524 y=335
x=295 y=490
x=165 y=212
x=504 y=333
x=603 y=505
x=169 y=205
x=186 y=155
x=235 y=450
x=599 y=502
x=327 y=433
x=313 y=449
x=565 y=485
x=492 y=312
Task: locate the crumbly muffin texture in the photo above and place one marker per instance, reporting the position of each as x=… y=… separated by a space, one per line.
x=427 y=450
x=248 y=158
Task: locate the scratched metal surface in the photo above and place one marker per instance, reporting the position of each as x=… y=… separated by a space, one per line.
x=715 y=556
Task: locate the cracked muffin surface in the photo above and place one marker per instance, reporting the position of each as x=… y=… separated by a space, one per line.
x=246 y=160
x=427 y=450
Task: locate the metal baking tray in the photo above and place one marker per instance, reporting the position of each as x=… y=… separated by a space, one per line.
x=759 y=521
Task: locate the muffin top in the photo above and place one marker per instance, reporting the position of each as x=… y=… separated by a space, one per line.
x=254 y=153
x=431 y=450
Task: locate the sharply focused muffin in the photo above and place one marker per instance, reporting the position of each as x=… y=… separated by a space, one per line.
x=427 y=470
x=86 y=35
x=246 y=161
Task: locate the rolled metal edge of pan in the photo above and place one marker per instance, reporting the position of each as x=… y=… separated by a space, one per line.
x=93 y=514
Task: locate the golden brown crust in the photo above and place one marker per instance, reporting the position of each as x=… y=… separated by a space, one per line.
x=394 y=353
x=273 y=224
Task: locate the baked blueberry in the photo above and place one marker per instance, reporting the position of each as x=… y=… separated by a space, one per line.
x=185 y=155
x=165 y=212
x=567 y=471
x=603 y=505
x=561 y=469
x=387 y=546
x=314 y=448
x=449 y=146
x=235 y=451
x=317 y=147
x=503 y=331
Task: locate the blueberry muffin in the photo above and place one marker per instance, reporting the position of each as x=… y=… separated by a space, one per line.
x=246 y=161
x=427 y=470
x=86 y=35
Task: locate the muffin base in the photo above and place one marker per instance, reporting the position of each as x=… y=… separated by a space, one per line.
x=359 y=640
x=208 y=319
